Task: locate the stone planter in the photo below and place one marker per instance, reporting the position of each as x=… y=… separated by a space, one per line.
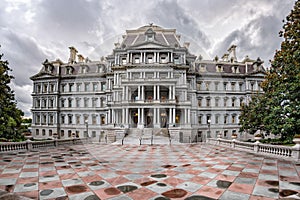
x=296 y=140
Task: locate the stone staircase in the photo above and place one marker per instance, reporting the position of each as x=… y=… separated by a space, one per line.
x=146 y=136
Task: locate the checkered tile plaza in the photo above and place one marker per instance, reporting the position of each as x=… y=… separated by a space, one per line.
x=157 y=172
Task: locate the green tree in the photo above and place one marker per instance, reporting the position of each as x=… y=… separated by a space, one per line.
x=280 y=101
x=10 y=115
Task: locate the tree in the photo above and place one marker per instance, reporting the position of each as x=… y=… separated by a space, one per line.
x=282 y=84
x=10 y=115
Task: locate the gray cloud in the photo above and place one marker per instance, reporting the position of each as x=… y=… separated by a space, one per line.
x=32 y=31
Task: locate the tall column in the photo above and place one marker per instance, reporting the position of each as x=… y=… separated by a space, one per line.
x=185 y=116
x=170 y=92
x=158 y=91
x=158 y=60
x=158 y=116
x=143 y=92
x=144 y=57
x=123 y=116
x=131 y=61
x=139 y=93
x=154 y=116
x=126 y=116
x=171 y=57
x=170 y=115
x=189 y=116
x=174 y=115
x=139 y=116
x=154 y=92
x=124 y=95
x=155 y=58
x=173 y=92
x=143 y=121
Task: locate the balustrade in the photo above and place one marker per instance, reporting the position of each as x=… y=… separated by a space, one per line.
x=259 y=148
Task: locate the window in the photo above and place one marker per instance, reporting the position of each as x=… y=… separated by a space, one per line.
x=38 y=103
x=103 y=87
x=43 y=132
x=44 y=119
x=37 y=131
x=69 y=133
x=71 y=87
x=225 y=101
x=225 y=86
x=241 y=87
x=225 y=119
x=70 y=102
x=241 y=101
x=217 y=119
x=199 y=102
x=45 y=88
x=44 y=103
x=94 y=119
x=136 y=60
x=150 y=59
x=63 y=103
x=51 y=119
x=233 y=86
x=95 y=87
x=200 y=119
x=219 y=68
x=216 y=86
x=93 y=133
x=52 y=88
x=50 y=132
x=63 y=87
x=233 y=119
x=94 y=102
x=38 y=119
x=78 y=87
x=70 y=119
x=102 y=119
x=86 y=118
x=51 y=103
x=233 y=102
x=207 y=85
x=86 y=102
x=62 y=119
x=233 y=132
x=86 y=87
x=216 y=102
x=208 y=119
x=77 y=119
x=38 y=89
x=124 y=61
x=77 y=102
x=77 y=134
x=225 y=133
x=62 y=133
x=207 y=102
x=251 y=86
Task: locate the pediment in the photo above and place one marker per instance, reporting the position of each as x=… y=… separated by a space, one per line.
x=42 y=74
x=149 y=45
x=258 y=73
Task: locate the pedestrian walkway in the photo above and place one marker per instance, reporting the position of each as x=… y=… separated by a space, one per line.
x=157 y=172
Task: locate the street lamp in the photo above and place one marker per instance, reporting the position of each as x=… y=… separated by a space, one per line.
x=87 y=127
x=208 y=123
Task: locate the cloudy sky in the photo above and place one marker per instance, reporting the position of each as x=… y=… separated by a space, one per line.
x=33 y=30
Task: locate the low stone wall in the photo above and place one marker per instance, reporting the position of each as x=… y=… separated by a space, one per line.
x=31 y=145
x=279 y=151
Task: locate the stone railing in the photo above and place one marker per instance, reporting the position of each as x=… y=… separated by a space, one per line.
x=30 y=145
x=284 y=152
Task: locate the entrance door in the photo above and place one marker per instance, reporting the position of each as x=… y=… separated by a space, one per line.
x=163 y=120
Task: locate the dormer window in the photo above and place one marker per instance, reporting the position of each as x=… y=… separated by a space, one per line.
x=69 y=70
x=150 y=34
x=219 y=68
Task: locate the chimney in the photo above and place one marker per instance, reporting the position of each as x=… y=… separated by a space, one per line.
x=232 y=53
x=80 y=58
x=73 y=52
x=186 y=45
x=225 y=57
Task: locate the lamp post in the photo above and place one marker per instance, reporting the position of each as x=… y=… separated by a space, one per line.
x=208 y=123
x=87 y=127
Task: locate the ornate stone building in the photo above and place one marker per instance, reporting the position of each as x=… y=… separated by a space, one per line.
x=150 y=82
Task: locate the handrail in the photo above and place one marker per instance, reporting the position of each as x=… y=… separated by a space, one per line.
x=30 y=145
x=285 y=152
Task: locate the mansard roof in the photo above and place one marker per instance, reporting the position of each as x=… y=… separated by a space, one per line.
x=164 y=37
